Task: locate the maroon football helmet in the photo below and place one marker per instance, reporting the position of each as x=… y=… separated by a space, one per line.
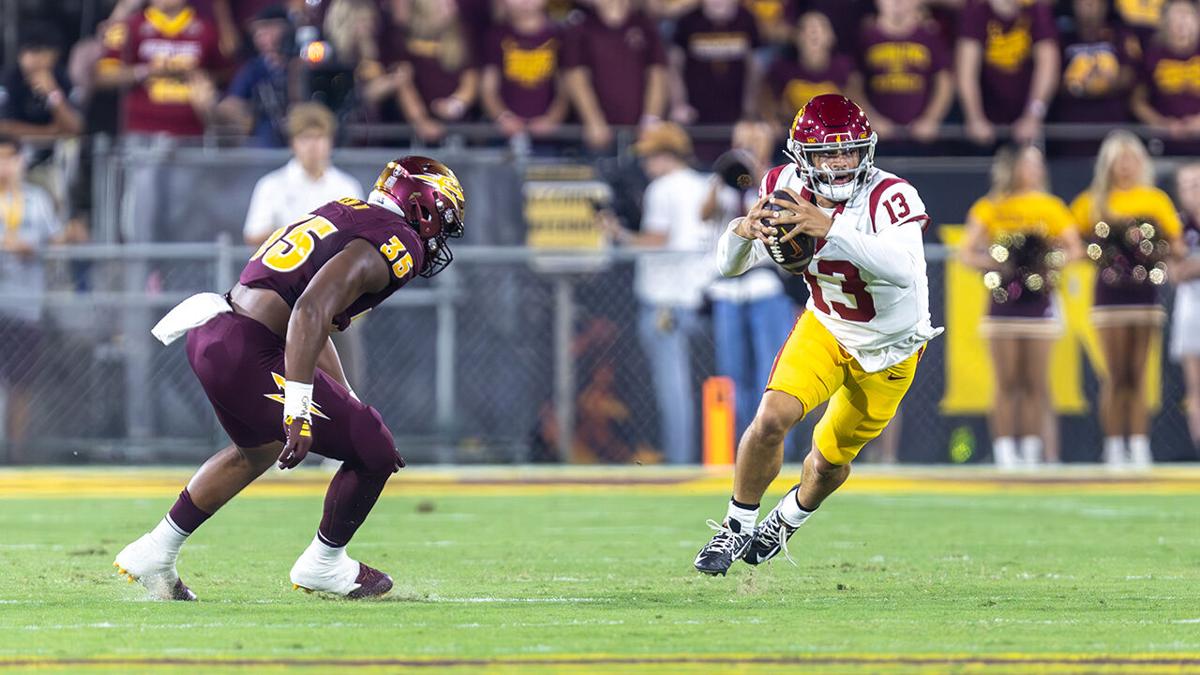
x=427 y=194
x=826 y=124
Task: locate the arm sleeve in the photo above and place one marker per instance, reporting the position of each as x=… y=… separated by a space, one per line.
x=1168 y=216
x=657 y=211
x=894 y=253
x=243 y=83
x=46 y=223
x=972 y=24
x=736 y=255
x=1043 y=22
x=258 y=215
x=1081 y=209
x=1059 y=218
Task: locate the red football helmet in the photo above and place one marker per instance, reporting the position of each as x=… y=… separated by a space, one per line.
x=832 y=123
x=427 y=194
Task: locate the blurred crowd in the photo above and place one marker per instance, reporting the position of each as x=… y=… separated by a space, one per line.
x=184 y=67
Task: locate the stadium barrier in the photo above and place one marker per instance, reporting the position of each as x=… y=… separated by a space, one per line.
x=511 y=355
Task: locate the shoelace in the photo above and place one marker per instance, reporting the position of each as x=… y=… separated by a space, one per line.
x=774 y=535
x=722 y=544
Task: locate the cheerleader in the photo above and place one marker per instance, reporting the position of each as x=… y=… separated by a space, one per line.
x=1020 y=236
x=1126 y=310
x=1185 y=323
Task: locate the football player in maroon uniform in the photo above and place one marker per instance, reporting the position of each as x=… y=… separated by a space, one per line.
x=263 y=355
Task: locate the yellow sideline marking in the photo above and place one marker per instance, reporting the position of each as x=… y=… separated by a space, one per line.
x=846 y=662
x=127 y=483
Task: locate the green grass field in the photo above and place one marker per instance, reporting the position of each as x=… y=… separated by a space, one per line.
x=601 y=580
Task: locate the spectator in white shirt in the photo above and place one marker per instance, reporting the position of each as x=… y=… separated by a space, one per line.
x=307 y=181
x=28 y=222
x=752 y=315
x=670 y=284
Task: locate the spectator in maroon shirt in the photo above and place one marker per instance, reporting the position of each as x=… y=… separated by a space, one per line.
x=1007 y=67
x=436 y=76
x=903 y=78
x=1168 y=93
x=163 y=58
x=1098 y=67
x=713 y=75
x=813 y=69
x=521 y=91
x=615 y=70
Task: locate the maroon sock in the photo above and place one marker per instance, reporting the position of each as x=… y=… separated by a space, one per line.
x=185 y=515
x=350 y=497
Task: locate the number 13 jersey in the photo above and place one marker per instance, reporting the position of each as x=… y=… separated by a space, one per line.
x=290 y=258
x=867 y=279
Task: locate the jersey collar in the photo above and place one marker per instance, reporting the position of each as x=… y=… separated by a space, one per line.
x=167 y=26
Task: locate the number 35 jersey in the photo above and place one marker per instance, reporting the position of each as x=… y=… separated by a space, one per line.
x=867 y=279
x=290 y=258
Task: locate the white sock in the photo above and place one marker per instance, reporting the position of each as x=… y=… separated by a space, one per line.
x=790 y=511
x=1031 y=449
x=1004 y=452
x=747 y=518
x=1114 y=450
x=168 y=537
x=324 y=553
x=1139 y=450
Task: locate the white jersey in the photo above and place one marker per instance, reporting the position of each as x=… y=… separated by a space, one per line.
x=867 y=279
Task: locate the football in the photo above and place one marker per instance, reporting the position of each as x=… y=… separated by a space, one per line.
x=793 y=255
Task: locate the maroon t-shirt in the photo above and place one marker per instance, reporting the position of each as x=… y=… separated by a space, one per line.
x=714 y=68
x=527 y=65
x=287 y=263
x=1171 y=78
x=431 y=75
x=1091 y=69
x=1007 y=70
x=162 y=104
x=619 y=59
x=794 y=84
x=899 y=71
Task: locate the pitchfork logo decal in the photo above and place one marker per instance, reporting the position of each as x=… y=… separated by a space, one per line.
x=278 y=398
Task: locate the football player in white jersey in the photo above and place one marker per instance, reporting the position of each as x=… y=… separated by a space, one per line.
x=857 y=343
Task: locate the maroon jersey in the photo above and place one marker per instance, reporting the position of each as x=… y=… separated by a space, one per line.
x=435 y=74
x=794 y=84
x=619 y=58
x=291 y=257
x=1173 y=81
x=714 y=68
x=899 y=70
x=163 y=103
x=527 y=64
x=1091 y=69
x=1007 y=70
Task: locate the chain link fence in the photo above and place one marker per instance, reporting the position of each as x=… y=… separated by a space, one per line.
x=507 y=357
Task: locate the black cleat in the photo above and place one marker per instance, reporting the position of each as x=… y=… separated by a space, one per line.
x=726 y=546
x=770 y=537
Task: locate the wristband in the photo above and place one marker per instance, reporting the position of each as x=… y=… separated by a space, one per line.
x=297 y=400
x=1037 y=109
x=55 y=98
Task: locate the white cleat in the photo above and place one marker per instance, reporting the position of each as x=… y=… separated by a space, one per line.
x=343 y=577
x=146 y=563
